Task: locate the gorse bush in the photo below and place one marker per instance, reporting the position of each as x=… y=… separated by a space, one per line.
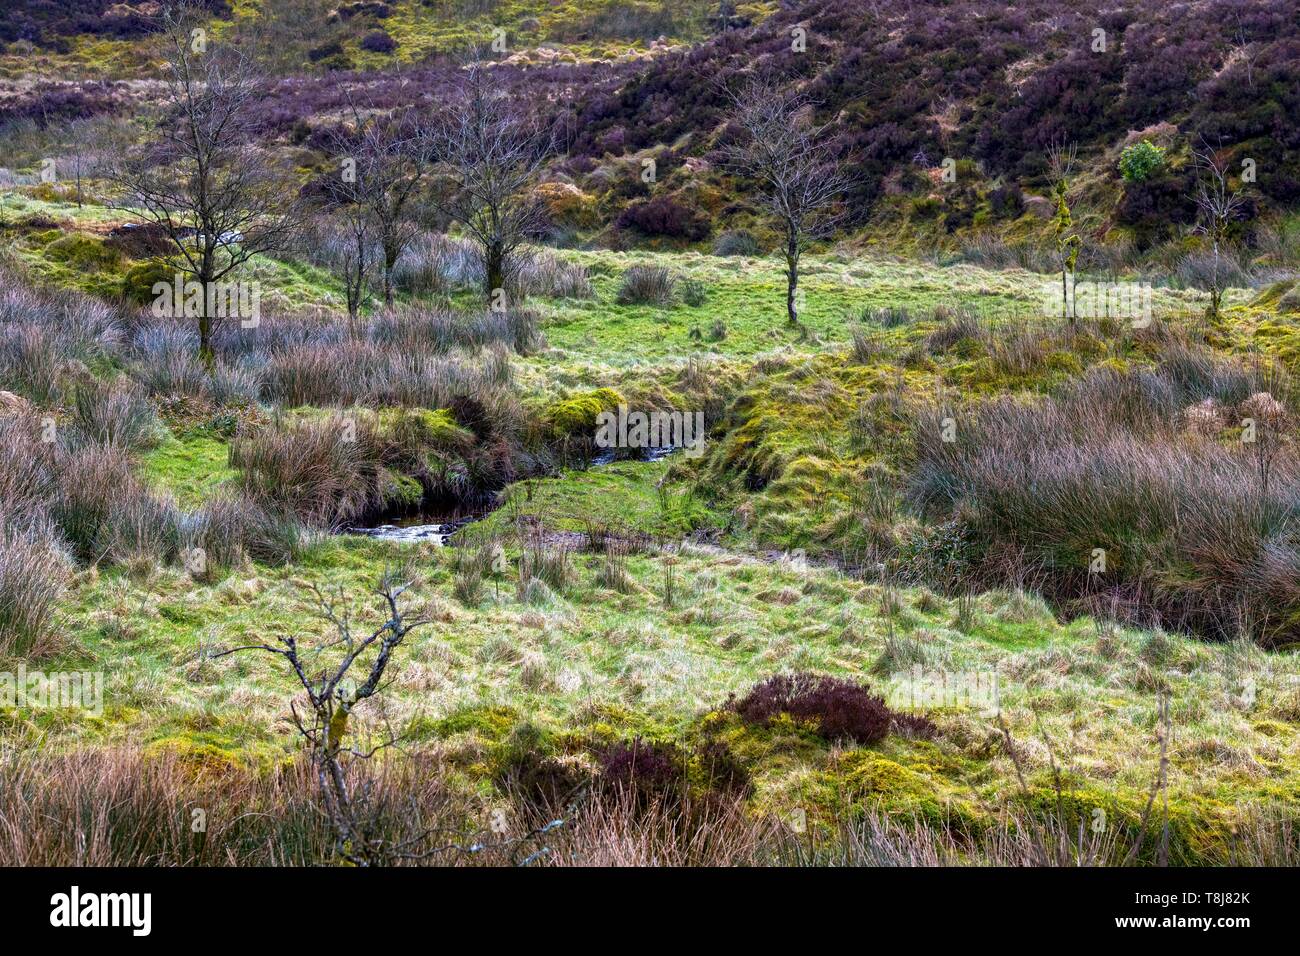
x=840 y=708
x=1139 y=161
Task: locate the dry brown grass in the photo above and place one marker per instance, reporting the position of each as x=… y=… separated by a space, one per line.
x=127 y=807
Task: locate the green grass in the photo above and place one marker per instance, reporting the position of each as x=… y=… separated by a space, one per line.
x=603 y=665
x=191 y=467
x=590 y=664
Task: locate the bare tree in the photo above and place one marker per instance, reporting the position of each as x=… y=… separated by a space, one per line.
x=85 y=146
x=216 y=197
x=488 y=153
x=381 y=169
x=390 y=173
x=790 y=159
x=1218 y=204
x=331 y=700
x=324 y=672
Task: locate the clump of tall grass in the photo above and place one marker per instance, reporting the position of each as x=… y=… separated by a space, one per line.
x=233 y=528
x=1098 y=493
x=114 y=413
x=42 y=331
x=325 y=472
x=648 y=285
x=106 y=513
x=33 y=574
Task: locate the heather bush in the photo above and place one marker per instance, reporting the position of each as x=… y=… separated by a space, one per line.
x=378 y=41
x=840 y=708
x=664 y=216
x=647 y=773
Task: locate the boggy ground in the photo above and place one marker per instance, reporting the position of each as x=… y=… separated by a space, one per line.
x=600 y=606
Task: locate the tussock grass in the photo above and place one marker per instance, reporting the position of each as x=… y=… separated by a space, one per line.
x=1196 y=531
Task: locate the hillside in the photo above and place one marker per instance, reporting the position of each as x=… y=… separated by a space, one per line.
x=947 y=574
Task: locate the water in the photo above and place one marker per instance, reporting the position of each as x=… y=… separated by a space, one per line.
x=420 y=528
x=607 y=456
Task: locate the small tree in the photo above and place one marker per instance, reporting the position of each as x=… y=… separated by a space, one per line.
x=1060 y=164
x=334 y=695
x=1218 y=204
x=380 y=171
x=792 y=163
x=217 y=199
x=384 y=160
x=489 y=153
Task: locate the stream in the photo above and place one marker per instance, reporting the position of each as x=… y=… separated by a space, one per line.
x=439 y=527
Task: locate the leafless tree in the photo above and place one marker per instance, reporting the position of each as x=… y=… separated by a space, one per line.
x=380 y=172
x=85 y=146
x=324 y=671
x=331 y=699
x=390 y=171
x=1218 y=204
x=791 y=161
x=217 y=198
x=488 y=154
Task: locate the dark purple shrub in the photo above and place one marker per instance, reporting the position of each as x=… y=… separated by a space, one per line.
x=377 y=41
x=841 y=708
x=1007 y=202
x=664 y=216
x=916 y=726
x=645 y=772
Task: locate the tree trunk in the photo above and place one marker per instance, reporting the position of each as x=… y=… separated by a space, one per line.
x=207 y=353
x=791 y=280
x=390 y=260
x=494 y=272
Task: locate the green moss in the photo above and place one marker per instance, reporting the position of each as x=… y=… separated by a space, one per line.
x=83 y=252
x=487 y=723
x=577 y=415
